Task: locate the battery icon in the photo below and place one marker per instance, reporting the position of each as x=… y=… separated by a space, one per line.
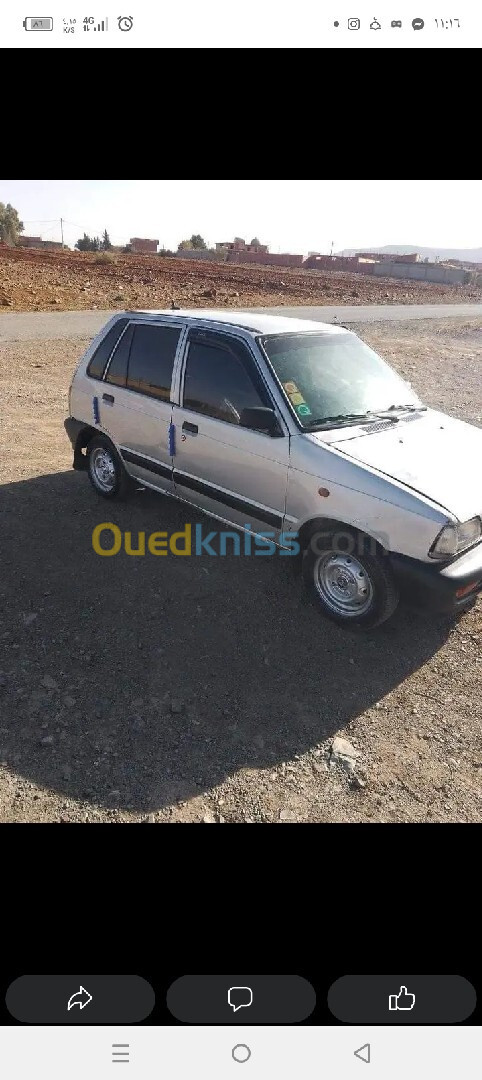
x=38 y=24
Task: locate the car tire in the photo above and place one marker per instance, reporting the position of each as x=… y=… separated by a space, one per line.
x=106 y=470
x=353 y=587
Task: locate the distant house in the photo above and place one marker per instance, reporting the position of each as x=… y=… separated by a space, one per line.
x=372 y=256
x=37 y=242
x=239 y=245
x=30 y=241
x=143 y=247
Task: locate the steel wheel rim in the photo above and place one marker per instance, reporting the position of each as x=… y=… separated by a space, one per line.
x=103 y=468
x=343 y=583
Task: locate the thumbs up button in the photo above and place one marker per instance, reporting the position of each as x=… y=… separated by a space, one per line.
x=403 y=1000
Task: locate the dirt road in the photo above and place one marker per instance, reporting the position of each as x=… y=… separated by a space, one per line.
x=208 y=690
x=43 y=325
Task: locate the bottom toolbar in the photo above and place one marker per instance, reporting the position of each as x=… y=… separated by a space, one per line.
x=241 y=1053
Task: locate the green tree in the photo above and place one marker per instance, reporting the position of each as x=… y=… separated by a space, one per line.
x=10 y=224
x=195 y=243
x=256 y=242
x=88 y=243
x=106 y=244
x=84 y=244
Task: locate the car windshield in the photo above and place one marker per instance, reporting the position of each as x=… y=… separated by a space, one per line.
x=335 y=379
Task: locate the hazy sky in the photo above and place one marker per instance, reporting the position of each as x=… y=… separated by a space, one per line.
x=289 y=215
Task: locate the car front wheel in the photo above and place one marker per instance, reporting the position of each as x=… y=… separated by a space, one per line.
x=351 y=587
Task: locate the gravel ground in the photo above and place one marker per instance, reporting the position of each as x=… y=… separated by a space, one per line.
x=195 y=690
x=36 y=280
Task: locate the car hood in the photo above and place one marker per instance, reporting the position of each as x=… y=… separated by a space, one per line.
x=429 y=452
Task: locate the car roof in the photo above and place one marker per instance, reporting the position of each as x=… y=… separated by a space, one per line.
x=252 y=321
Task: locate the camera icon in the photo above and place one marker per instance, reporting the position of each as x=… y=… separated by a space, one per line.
x=353 y=24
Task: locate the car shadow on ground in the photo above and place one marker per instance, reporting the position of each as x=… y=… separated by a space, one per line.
x=136 y=682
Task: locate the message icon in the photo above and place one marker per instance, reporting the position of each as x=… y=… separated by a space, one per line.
x=240 y=997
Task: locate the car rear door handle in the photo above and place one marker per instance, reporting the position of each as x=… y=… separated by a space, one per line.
x=108 y=398
x=192 y=428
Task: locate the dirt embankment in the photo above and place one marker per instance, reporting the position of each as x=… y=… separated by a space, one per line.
x=32 y=280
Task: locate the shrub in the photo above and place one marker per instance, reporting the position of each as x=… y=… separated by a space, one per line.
x=104 y=257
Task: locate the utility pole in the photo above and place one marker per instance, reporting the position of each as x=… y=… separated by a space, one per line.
x=62 y=230
x=332 y=246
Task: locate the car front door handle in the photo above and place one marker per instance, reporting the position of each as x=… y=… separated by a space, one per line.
x=108 y=398
x=191 y=428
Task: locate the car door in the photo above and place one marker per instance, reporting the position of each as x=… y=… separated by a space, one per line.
x=234 y=472
x=135 y=405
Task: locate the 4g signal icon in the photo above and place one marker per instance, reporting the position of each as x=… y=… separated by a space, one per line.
x=89 y=24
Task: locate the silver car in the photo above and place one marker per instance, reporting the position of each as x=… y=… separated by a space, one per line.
x=288 y=427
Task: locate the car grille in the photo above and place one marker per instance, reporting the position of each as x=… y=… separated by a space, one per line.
x=378 y=427
x=383 y=424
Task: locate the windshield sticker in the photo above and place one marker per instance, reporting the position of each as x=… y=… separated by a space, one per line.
x=297 y=399
x=291 y=388
x=303 y=410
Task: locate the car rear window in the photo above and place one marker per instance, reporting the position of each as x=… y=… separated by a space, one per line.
x=151 y=360
x=104 y=351
x=117 y=370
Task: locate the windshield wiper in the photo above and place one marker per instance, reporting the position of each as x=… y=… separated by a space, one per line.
x=352 y=418
x=368 y=417
x=345 y=417
x=401 y=408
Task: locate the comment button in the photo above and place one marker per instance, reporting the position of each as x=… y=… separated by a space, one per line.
x=252 y=999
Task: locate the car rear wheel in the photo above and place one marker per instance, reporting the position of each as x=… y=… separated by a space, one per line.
x=353 y=587
x=106 y=470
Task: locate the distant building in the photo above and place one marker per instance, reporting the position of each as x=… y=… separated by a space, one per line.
x=344 y=263
x=239 y=245
x=413 y=258
x=143 y=247
x=37 y=242
x=373 y=256
x=30 y=241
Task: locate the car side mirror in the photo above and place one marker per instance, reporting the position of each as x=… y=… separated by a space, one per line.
x=261 y=419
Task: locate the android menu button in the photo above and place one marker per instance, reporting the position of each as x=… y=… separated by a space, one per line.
x=402 y=999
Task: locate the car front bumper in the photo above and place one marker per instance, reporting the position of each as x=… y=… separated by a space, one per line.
x=449 y=587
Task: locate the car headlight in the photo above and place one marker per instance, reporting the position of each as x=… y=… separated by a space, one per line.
x=456 y=538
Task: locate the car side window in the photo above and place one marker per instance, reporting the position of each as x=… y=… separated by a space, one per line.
x=117 y=370
x=218 y=382
x=103 y=352
x=151 y=360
